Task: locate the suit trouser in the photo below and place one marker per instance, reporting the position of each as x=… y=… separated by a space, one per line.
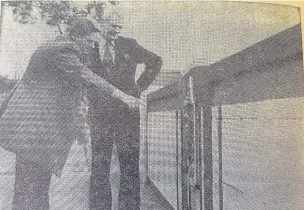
x=32 y=184
x=123 y=128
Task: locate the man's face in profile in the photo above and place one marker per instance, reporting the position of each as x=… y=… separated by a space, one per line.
x=112 y=30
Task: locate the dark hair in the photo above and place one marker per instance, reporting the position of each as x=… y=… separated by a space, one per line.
x=81 y=28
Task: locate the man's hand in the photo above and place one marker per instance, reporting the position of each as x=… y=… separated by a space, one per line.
x=130 y=100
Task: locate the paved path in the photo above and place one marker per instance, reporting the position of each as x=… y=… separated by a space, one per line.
x=70 y=192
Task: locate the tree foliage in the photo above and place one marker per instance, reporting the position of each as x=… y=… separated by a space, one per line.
x=57 y=12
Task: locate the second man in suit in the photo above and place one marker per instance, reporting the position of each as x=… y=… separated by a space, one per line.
x=110 y=123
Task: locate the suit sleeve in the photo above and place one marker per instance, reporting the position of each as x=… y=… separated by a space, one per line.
x=69 y=62
x=152 y=62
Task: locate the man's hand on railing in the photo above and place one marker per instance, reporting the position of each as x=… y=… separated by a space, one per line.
x=129 y=100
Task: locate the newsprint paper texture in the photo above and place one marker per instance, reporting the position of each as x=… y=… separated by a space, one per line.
x=152 y=105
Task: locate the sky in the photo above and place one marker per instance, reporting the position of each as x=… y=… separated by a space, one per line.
x=185 y=34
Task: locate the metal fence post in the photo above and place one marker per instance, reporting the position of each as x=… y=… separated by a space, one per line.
x=207 y=101
x=220 y=148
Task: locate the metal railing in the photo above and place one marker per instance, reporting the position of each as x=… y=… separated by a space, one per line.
x=252 y=75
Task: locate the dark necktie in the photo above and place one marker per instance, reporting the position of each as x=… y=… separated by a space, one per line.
x=108 y=59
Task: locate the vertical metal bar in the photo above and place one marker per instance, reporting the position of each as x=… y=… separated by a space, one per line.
x=147 y=145
x=188 y=144
x=177 y=160
x=199 y=154
x=220 y=143
x=207 y=146
x=184 y=166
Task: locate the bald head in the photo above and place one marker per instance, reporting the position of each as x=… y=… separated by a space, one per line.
x=114 y=18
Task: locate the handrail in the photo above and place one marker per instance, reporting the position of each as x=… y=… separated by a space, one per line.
x=275 y=49
x=281 y=48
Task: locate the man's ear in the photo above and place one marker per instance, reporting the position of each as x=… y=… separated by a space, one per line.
x=96 y=45
x=73 y=38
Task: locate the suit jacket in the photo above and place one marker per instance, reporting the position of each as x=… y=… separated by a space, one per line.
x=122 y=75
x=43 y=116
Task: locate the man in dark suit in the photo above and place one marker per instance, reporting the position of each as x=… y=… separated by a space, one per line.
x=111 y=123
x=43 y=116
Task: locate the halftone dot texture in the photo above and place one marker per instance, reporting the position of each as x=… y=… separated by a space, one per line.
x=186 y=34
